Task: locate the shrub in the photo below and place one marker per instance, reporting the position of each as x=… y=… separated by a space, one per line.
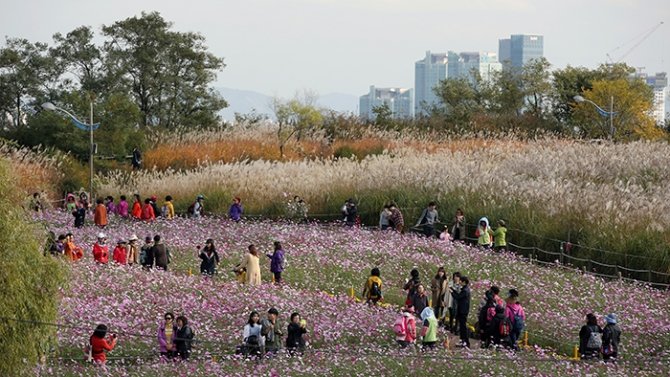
x=30 y=283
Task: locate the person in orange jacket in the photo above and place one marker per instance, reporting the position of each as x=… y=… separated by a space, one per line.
x=137 y=207
x=100 y=250
x=72 y=251
x=148 y=213
x=100 y=215
x=98 y=345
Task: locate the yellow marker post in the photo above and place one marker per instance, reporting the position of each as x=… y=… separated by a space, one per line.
x=525 y=339
x=351 y=292
x=190 y=272
x=576 y=353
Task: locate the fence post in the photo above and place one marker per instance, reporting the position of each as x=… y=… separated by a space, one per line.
x=351 y=292
x=562 y=248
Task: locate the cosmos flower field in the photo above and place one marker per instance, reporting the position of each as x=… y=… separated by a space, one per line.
x=344 y=336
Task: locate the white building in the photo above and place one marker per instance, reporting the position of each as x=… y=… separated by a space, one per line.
x=659 y=84
x=466 y=64
x=399 y=100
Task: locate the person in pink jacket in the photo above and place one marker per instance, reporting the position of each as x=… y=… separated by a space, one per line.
x=407 y=334
x=514 y=311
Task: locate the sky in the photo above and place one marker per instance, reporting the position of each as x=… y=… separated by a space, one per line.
x=281 y=47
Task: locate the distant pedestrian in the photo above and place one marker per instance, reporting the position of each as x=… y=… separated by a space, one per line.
x=161 y=254
x=458 y=228
x=438 y=289
x=147 y=253
x=236 y=210
x=100 y=215
x=411 y=285
x=167 y=210
x=148 y=213
x=462 y=298
x=420 y=299
x=405 y=327
x=133 y=250
x=250 y=263
x=122 y=207
x=137 y=207
x=429 y=217
x=277 y=259
x=372 y=291
x=517 y=316
x=101 y=250
x=396 y=221
x=429 y=329
x=590 y=340
x=136 y=159
x=454 y=286
x=350 y=212
x=120 y=254
x=484 y=234
x=500 y=236
x=111 y=206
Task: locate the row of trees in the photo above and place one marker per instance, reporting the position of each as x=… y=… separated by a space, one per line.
x=143 y=74
x=534 y=97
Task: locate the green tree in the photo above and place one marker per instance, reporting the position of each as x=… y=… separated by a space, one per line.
x=383 y=116
x=460 y=99
x=296 y=118
x=26 y=72
x=167 y=72
x=632 y=99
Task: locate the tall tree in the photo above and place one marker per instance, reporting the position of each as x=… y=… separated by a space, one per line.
x=296 y=118
x=26 y=73
x=168 y=72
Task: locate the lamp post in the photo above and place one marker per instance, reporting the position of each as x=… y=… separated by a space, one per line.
x=81 y=125
x=601 y=111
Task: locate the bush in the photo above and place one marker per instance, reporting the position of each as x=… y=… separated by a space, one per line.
x=30 y=283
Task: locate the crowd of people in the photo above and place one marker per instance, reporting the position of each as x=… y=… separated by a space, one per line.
x=444 y=302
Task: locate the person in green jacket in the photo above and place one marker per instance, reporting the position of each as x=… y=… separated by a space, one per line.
x=500 y=236
x=484 y=234
x=429 y=330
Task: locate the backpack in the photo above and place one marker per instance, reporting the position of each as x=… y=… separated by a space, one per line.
x=505 y=328
x=400 y=326
x=375 y=290
x=517 y=324
x=191 y=209
x=594 y=342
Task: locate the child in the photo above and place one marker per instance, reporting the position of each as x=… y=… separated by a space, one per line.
x=372 y=291
x=484 y=234
x=405 y=327
x=499 y=236
x=295 y=344
x=120 y=255
x=429 y=330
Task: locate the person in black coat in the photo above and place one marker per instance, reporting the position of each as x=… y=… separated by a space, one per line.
x=295 y=344
x=209 y=257
x=463 y=309
x=183 y=338
x=589 y=346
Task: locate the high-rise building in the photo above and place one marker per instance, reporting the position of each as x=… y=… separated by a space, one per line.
x=519 y=49
x=659 y=84
x=466 y=63
x=428 y=72
x=400 y=101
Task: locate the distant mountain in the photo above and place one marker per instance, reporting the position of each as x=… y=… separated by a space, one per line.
x=245 y=101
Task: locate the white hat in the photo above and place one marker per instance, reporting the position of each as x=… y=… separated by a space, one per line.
x=133 y=238
x=101 y=235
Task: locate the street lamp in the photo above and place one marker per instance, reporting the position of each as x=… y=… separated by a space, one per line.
x=601 y=111
x=83 y=126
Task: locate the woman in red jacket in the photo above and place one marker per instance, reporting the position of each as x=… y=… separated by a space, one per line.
x=148 y=211
x=99 y=345
x=137 y=207
x=100 y=250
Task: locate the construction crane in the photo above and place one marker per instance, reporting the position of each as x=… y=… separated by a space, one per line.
x=641 y=38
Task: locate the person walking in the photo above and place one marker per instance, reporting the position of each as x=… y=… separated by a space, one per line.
x=462 y=298
x=458 y=228
x=122 y=207
x=438 y=289
x=160 y=253
x=133 y=252
x=500 y=236
x=517 y=316
x=168 y=208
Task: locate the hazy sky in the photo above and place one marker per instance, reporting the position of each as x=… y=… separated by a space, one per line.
x=280 y=46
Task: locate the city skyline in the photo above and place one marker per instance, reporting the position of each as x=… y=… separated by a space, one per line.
x=328 y=46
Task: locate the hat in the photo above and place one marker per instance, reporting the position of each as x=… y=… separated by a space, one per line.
x=273 y=311
x=201 y=196
x=101 y=235
x=501 y=222
x=133 y=238
x=611 y=318
x=153 y=198
x=121 y=241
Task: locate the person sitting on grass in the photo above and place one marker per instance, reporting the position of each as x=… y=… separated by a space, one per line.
x=271 y=330
x=295 y=343
x=98 y=345
x=236 y=209
x=429 y=329
x=372 y=290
